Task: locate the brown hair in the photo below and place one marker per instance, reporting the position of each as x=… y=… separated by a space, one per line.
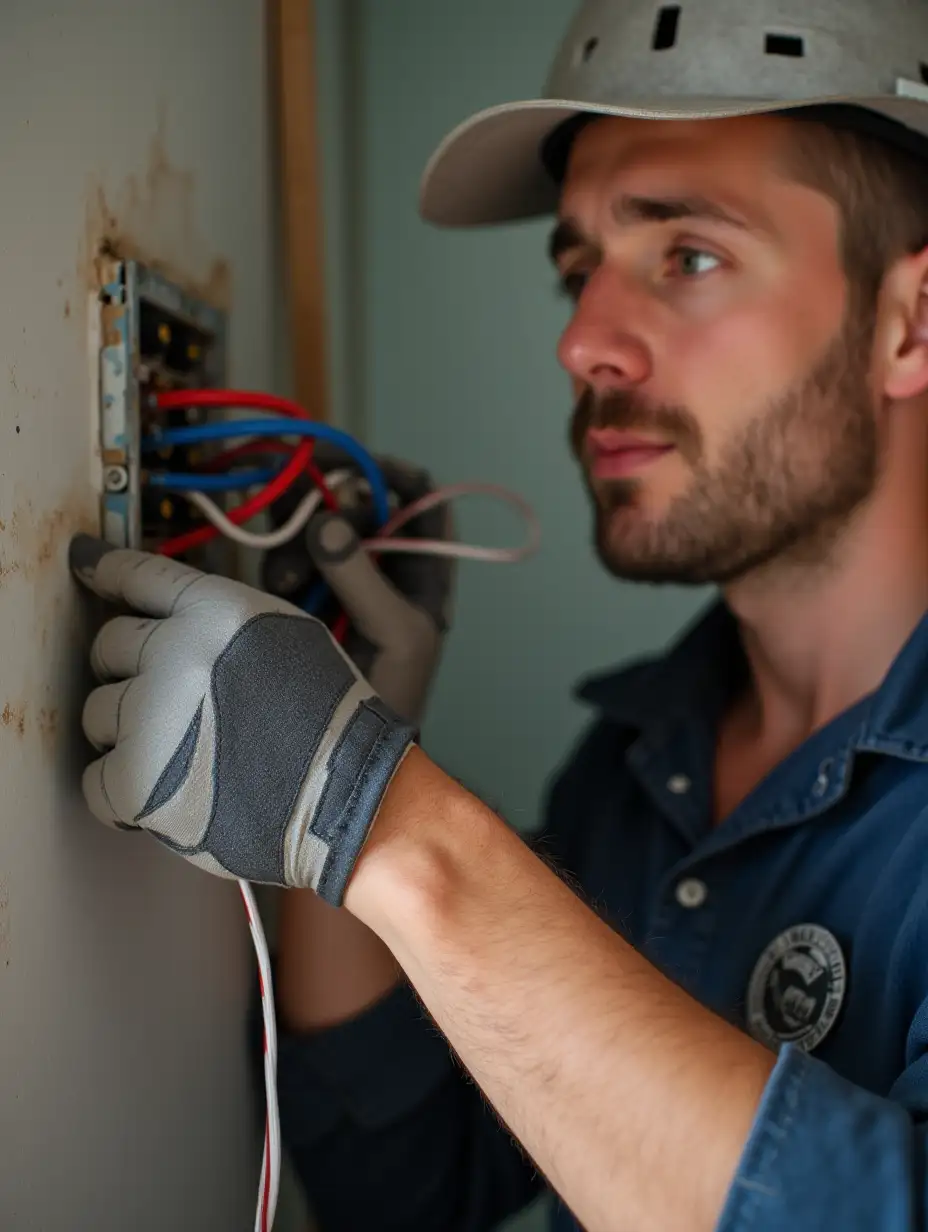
x=880 y=189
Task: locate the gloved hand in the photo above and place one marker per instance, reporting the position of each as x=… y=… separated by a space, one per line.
x=233 y=727
x=399 y=610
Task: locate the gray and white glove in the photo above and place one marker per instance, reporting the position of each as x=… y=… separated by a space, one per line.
x=233 y=728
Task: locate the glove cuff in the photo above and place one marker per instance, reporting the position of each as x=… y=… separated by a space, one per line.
x=360 y=769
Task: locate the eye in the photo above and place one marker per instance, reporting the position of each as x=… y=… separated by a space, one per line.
x=694 y=262
x=571 y=284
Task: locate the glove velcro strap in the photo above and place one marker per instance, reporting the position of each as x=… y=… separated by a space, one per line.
x=360 y=769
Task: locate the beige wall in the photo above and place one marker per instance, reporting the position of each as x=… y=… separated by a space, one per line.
x=124 y=1099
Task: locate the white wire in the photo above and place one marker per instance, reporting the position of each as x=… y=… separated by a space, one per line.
x=272 y=539
x=270 y=1065
x=386 y=542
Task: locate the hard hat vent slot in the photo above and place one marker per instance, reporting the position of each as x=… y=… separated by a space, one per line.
x=589 y=47
x=923 y=67
x=785 y=45
x=665 y=31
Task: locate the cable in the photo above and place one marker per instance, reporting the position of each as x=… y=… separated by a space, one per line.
x=262 y=428
x=273 y=539
x=270 y=1168
x=462 y=551
x=229 y=399
x=300 y=462
x=385 y=541
x=181 y=399
x=187 y=481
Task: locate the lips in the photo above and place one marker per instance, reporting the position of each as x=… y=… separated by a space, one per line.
x=615 y=455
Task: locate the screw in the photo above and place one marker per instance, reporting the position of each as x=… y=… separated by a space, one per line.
x=116 y=479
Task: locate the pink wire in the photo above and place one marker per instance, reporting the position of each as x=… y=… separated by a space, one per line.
x=385 y=542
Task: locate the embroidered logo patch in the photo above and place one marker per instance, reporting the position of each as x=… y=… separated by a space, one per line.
x=797 y=988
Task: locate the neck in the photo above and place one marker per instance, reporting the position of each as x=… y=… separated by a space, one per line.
x=820 y=637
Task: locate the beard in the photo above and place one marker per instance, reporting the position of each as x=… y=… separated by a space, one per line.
x=783 y=486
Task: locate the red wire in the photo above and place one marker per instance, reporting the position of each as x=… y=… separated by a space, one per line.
x=178 y=399
x=266 y=1196
x=300 y=461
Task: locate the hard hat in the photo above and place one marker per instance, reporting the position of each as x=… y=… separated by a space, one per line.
x=693 y=60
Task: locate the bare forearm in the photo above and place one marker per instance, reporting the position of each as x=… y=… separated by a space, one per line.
x=330 y=966
x=633 y=1100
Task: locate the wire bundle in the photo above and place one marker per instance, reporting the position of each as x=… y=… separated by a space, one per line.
x=225 y=472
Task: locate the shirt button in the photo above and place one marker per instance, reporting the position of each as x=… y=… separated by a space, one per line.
x=692 y=893
x=679 y=784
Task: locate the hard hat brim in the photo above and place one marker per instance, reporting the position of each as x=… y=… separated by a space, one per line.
x=489 y=169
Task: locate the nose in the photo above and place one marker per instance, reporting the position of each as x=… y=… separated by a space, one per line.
x=599 y=347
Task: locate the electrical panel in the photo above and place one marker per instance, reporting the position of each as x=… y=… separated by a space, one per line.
x=153 y=337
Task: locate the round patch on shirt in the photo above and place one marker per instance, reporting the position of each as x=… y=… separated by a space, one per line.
x=797 y=988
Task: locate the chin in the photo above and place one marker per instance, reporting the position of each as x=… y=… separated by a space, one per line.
x=632 y=548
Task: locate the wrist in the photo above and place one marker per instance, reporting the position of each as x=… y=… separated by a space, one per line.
x=416 y=847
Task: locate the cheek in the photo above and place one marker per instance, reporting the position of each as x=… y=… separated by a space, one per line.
x=728 y=370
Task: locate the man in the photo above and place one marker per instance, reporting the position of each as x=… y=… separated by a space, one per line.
x=704 y=1002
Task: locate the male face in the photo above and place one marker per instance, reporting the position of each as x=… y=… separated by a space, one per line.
x=725 y=414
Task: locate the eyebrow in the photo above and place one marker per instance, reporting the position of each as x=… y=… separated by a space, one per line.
x=631 y=210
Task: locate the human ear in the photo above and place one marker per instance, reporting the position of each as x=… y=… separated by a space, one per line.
x=902 y=330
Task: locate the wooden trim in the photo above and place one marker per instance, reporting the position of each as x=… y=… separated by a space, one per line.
x=293 y=47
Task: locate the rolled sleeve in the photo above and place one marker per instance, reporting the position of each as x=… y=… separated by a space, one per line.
x=825 y=1154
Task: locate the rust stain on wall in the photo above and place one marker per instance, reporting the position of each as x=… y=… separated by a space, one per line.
x=48 y=725
x=14 y=717
x=152 y=218
x=38 y=540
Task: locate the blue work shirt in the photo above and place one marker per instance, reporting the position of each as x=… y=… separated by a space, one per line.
x=801 y=918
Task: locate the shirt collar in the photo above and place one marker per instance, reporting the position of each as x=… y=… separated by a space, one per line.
x=701 y=668
x=696 y=672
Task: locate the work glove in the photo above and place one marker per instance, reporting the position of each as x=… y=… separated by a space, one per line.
x=233 y=728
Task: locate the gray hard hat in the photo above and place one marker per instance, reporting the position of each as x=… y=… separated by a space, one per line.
x=693 y=60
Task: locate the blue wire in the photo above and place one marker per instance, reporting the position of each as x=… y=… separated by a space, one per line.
x=315 y=599
x=278 y=428
x=186 y=482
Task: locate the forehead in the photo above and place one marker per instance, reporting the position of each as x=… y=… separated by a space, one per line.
x=742 y=154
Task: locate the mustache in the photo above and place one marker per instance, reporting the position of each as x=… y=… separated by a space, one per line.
x=627 y=411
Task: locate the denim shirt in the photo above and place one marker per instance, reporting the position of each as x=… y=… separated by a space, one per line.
x=802 y=918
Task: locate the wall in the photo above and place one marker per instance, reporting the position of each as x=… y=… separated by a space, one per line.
x=124 y=973
x=458 y=338
x=461 y=374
